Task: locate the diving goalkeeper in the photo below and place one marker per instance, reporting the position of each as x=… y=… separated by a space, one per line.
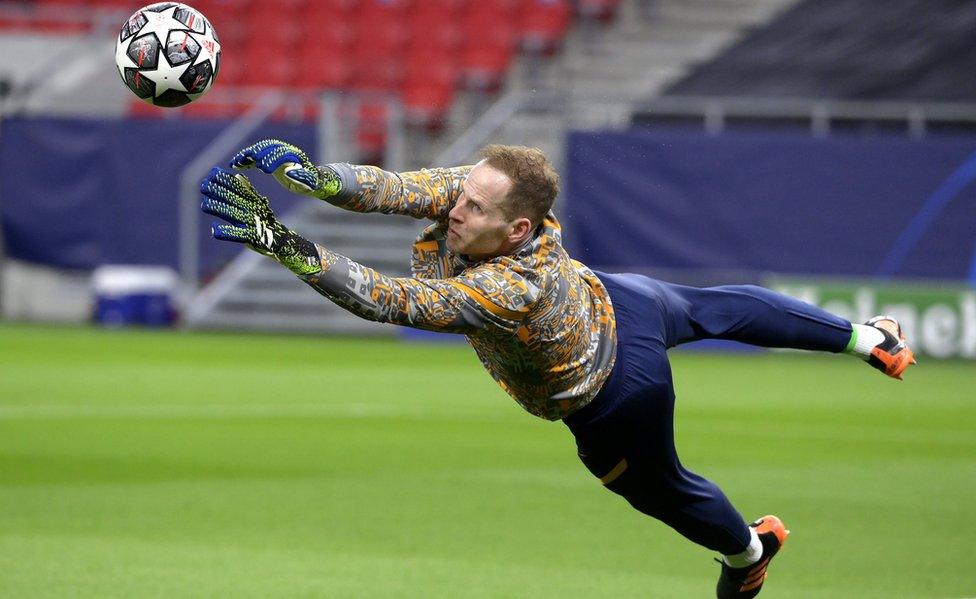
x=567 y=343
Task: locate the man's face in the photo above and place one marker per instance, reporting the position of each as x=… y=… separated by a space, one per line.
x=478 y=227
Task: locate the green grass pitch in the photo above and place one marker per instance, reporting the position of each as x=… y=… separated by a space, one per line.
x=175 y=464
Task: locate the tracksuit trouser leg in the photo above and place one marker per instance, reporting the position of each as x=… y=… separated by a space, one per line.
x=625 y=436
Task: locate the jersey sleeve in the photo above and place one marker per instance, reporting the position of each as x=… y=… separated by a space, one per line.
x=427 y=193
x=480 y=298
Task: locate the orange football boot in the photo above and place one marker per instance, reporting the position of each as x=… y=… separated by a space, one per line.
x=742 y=583
x=892 y=356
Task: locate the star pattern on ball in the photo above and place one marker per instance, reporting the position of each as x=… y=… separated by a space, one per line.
x=166 y=76
x=160 y=22
x=159 y=56
x=209 y=47
x=121 y=57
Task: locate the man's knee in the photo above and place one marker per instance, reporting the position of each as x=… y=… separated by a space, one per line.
x=656 y=493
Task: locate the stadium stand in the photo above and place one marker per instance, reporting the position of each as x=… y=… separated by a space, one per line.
x=911 y=50
x=421 y=51
x=424 y=53
x=605 y=58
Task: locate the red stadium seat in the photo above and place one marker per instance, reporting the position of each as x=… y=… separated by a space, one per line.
x=117 y=4
x=226 y=18
x=273 y=25
x=377 y=57
x=508 y=8
x=543 y=25
x=372 y=119
x=272 y=69
x=14 y=22
x=439 y=6
x=382 y=72
x=233 y=69
x=328 y=17
x=427 y=104
x=432 y=65
x=485 y=68
x=383 y=28
x=233 y=36
x=427 y=17
x=429 y=87
x=324 y=52
x=319 y=27
x=323 y=68
x=434 y=30
x=384 y=9
x=488 y=42
x=221 y=13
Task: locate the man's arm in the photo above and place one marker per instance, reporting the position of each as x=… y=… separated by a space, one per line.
x=478 y=299
x=428 y=193
x=486 y=296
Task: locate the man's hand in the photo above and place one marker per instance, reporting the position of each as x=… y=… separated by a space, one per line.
x=290 y=166
x=232 y=197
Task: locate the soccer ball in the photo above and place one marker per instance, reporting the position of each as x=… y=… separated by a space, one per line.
x=168 y=54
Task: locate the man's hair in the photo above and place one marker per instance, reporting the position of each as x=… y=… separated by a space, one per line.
x=535 y=182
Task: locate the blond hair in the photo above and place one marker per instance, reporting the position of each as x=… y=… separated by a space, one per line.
x=535 y=182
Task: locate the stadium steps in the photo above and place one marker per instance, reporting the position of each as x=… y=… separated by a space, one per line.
x=606 y=70
x=656 y=46
x=254 y=293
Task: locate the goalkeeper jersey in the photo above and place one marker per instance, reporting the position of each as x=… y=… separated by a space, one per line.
x=541 y=323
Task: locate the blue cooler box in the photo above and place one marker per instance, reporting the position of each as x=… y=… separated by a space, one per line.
x=135 y=295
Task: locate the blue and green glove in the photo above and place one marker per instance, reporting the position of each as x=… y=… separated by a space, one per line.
x=291 y=167
x=250 y=221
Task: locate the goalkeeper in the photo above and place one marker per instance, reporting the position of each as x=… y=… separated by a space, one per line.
x=567 y=343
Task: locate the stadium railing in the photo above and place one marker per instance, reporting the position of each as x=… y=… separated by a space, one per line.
x=820 y=115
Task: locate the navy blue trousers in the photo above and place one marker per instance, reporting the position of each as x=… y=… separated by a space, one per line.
x=625 y=436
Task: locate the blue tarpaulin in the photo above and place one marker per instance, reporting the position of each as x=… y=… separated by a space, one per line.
x=772 y=201
x=77 y=193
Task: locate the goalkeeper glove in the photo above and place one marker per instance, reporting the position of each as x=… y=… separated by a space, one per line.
x=250 y=221
x=290 y=166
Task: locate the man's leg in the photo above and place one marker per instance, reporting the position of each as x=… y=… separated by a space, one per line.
x=626 y=436
x=631 y=450
x=626 y=439
x=759 y=316
x=753 y=315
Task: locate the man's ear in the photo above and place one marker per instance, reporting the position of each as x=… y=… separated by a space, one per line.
x=521 y=228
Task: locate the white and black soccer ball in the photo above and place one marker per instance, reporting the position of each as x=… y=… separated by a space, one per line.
x=168 y=54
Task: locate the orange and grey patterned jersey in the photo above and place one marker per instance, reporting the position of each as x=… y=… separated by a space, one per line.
x=541 y=323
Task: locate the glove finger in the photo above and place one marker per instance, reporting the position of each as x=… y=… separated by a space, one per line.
x=273 y=157
x=296 y=178
x=232 y=187
x=213 y=188
x=247 y=157
x=229 y=212
x=216 y=179
x=243 y=187
x=225 y=232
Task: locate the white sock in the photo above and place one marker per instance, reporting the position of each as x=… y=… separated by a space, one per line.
x=867 y=338
x=748 y=557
